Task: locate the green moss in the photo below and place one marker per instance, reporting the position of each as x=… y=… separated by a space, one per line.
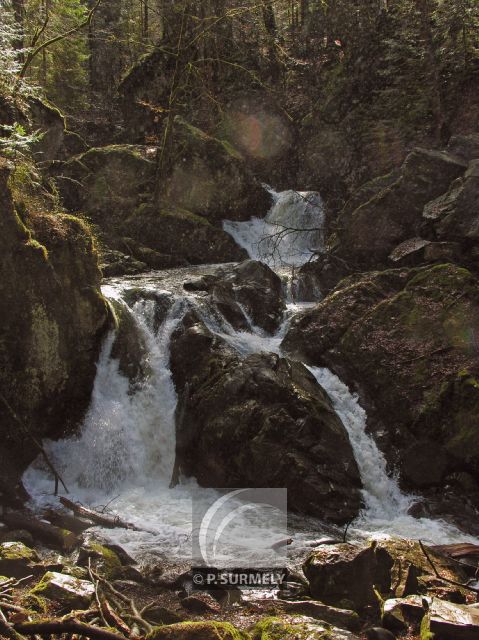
x=110 y=564
x=35 y=602
x=198 y=631
x=36 y=246
x=424 y=632
x=274 y=628
x=17 y=551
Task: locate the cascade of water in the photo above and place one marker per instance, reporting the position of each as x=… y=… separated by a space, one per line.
x=290 y=234
x=127 y=443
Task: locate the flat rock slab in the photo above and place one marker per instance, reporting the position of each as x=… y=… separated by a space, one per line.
x=343 y=618
x=448 y=620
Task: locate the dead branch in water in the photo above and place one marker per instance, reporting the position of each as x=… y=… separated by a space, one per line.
x=102 y=519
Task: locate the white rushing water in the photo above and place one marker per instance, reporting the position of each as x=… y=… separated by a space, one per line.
x=290 y=234
x=123 y=456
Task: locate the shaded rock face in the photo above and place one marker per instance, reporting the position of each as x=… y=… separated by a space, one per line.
x=455 y=214
x=53 y=318
x=260 y=421
x=347 y=575
x=107 y=183
x=182 y=236
x=250 y=291
x=394 y=214
x=114 y=187
x=209 y=177
x=405 y=338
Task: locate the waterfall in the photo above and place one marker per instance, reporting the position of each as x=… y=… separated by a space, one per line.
x=124 y=452
x=290 y=234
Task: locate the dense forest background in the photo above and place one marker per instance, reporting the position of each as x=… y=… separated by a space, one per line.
x=364 y=80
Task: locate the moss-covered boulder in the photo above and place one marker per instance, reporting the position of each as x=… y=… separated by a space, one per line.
x=407 y=340
x=180 y=235
x=104 y=560
x=299 y=628
x=198 y=631
x=70 y=592
x=260 y=421
x=52 y=321
x=17 y=560
x=107 y=183
x=209 y=177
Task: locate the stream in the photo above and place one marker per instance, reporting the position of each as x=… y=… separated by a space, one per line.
x=124 y=454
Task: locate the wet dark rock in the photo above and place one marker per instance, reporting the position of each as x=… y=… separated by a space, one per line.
x=129 y=346
x=424 y=463
x=260 y=421
x=247 y=292
x=404 y=338
x=347 y=575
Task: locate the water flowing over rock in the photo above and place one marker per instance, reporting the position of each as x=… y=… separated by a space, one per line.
x=245 y=294
x=260 y=421
x=406 y=339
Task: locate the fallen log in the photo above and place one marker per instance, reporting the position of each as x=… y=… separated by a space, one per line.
x=66 y=521
x=45 y=532
x=102 y=519
x=65 y=626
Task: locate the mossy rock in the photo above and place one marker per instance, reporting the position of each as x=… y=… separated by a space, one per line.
x=198 y=631
x=106 y=562
x=297 y=628
x=69 y=591
x=16 y=559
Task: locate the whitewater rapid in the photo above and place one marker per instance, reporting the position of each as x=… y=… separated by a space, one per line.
x=124 y=454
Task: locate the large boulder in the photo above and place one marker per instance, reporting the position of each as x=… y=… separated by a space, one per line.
x=245 y=294
x=455 y=214
x=53 y=318
x=209 y=177
x=394 y=213
x=181 y=236
x=349 y=575
x=260 y=421
x=114 y=186
x=107 y=183
x=405 y=339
